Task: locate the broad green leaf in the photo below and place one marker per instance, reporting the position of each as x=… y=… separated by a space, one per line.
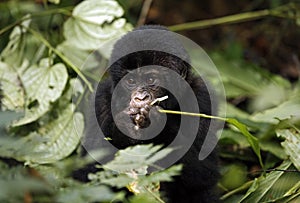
x=240 y=80
x=268 y=97
x=133 y=158
x=118 y=181
x=291 y=145
x=129 y=169
x=289 y=109
x=240 y=83
x=265 y=184
x=94 y=23
x=161 y=176
x=53 y=141
x=11 y=87
x=43 y=84
x=77 y=56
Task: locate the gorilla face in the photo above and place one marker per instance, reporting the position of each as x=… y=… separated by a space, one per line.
x=141 y=78
x=144 y=87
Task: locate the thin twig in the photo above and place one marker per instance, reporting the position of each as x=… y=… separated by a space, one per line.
x=154 y=195
x=144 y=12
x=237 y=18
x=192 y=114
x=280 y=170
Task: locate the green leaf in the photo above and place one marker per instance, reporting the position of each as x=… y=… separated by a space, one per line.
x=240 y=84
x=77 y=56
x=11 y=87
x=270 y=96
x=239 y=81
x=149 y=184
x=129 y=168
x=253 y=141
x=234 y=112
x=258 y=192
x=53 y=141
x=159 y=176
x=276 y=185
x=159 y=155
x=291 y=145
x=289 y=109
x=7 y=143
x=109 y=178
x=274 y=148
x=43 y=84
x=13 y=53
x=16 y=182
x=94 y=23
x=254 y=186
x=136 y=157
x=234 y=137
x=87 y=193
x=6 y=117
x=143 y=197
x=54 y=1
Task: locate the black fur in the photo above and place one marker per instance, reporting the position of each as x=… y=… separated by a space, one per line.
x=198 y=179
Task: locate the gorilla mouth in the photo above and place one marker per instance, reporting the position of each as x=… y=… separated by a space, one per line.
x=140 y=115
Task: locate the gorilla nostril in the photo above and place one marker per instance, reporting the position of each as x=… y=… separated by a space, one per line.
x=142 y=97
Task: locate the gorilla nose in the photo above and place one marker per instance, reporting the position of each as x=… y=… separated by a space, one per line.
x=142 y=97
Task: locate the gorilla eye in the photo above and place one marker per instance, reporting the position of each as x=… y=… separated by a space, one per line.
x=150 y=80
x=131 y=81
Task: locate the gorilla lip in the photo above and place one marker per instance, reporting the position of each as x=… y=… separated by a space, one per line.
x=138 y=117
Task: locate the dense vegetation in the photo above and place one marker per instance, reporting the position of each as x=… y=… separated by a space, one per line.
x=42 y=82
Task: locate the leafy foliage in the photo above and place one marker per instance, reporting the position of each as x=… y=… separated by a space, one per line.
x=272 y=112
x=94 y=24
x=129 y=169
x=40 y=126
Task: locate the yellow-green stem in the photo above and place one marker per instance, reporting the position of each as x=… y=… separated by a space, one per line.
x=237 y=18
x=191 y=114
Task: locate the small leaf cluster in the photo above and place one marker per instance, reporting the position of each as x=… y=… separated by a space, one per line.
x=267 y=108
x=42 y=84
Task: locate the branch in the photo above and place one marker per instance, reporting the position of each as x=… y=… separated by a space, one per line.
x=144 y=12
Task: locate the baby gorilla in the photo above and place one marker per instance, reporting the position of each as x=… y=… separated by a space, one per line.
x=136 y=102
x=127 y=104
